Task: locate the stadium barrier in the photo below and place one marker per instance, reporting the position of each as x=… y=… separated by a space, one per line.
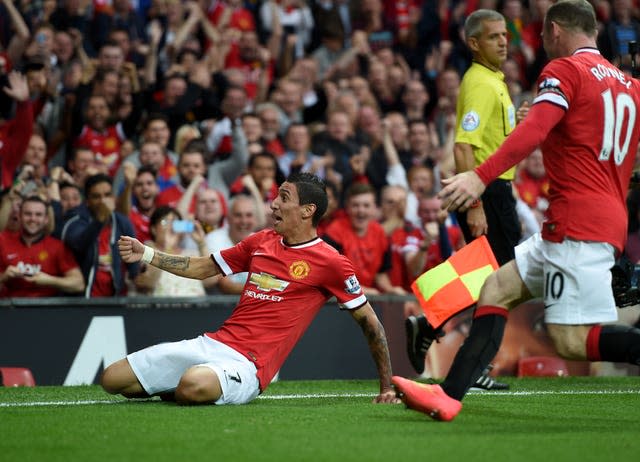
x=68 y=341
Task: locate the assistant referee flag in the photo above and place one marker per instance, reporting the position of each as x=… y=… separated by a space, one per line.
x=455 y=284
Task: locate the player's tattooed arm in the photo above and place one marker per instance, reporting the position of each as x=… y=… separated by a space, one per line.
x=189 y=267
x=172 y=262
x=377 y=340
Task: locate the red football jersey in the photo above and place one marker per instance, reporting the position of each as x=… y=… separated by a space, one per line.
x=367 y=253
x=590 y=153
x=102 y=284
x=48 y=255
x=140 y=223
x=434 y=254
x=252 y=71
x=409 y=239
x=241 y=18
x=106 y=145
x=533 y=191
x=402 y=239
x=286 y=287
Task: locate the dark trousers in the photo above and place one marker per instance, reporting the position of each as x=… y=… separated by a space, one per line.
x=504 y=229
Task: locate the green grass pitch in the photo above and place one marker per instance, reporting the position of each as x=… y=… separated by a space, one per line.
x=564 y=419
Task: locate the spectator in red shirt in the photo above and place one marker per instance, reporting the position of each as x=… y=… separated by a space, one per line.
x=230 y=14
x=16 y=132
x=34 y=264
x=362 y=239
x=138 y=199
x=103 y=138
x=532 y=184
x=438 y=237
x=191 y=167
x=254 y=61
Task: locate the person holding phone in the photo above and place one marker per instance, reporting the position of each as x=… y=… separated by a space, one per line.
x=168 y=231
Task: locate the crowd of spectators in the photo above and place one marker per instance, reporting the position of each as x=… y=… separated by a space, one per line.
x=129 y=116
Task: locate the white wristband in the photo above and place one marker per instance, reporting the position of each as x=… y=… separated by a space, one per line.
x=148 y=254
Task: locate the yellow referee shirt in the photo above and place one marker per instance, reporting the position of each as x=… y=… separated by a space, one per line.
x=484 y=114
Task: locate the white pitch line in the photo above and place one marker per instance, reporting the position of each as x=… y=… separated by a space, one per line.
x=335 y=395
x=60 y=403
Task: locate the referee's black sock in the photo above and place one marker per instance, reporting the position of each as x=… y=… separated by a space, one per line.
x=620 y=344
x=477 y=351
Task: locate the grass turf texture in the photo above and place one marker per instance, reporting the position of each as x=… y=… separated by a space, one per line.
x=568 y=419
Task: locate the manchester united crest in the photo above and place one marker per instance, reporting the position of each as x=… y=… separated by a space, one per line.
x=299 y=269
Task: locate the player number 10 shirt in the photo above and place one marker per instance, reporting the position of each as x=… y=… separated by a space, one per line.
x=590 y=153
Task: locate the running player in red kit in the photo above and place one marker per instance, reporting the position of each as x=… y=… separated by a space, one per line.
x=292 y=273
x=584 y=118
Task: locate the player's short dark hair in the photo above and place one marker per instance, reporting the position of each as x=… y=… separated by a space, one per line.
x=574 y=15
x=311 y=190
x=94 y=180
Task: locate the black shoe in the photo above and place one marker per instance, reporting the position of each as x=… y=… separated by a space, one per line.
x=420 y=336
x=486 y=382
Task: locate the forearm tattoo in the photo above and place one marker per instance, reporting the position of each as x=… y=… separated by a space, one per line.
x=374 y=332
x=172 y=262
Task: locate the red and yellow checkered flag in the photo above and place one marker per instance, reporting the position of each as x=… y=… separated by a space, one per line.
x=455 y=284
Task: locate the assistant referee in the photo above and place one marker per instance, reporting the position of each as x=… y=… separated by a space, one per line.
x=485 y=116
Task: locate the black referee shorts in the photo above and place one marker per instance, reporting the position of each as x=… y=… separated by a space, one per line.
x=504 y=229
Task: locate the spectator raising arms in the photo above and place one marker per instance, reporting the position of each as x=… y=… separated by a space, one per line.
x=16 y=132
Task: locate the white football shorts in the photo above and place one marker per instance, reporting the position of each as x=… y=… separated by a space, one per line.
x=573 y=278
x=160 y=367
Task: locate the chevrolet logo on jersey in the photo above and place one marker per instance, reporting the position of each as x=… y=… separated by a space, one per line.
x=267 y=282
